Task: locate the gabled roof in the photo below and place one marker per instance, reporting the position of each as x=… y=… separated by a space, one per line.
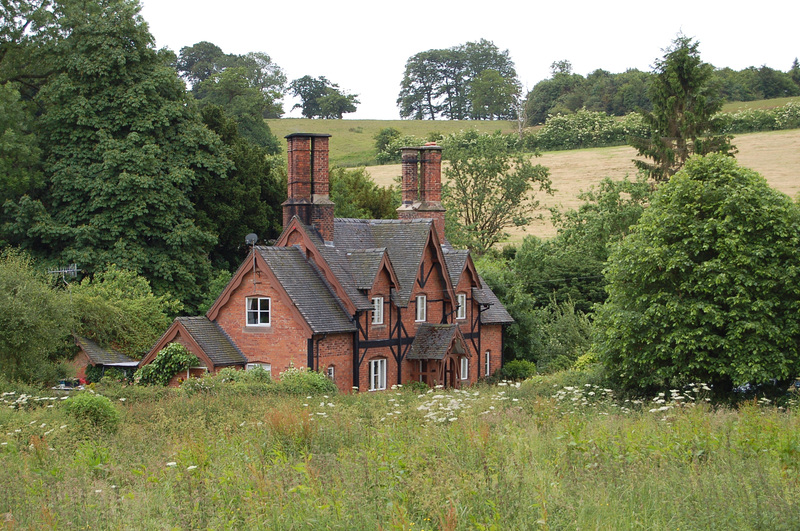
x=307 y=288
x=364 y=265
x=404 y=241
x=434 y=341
x=494 y=312
x=213 y=340
x=104 y=356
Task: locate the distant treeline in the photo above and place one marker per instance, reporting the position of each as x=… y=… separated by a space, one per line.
x=619 y=94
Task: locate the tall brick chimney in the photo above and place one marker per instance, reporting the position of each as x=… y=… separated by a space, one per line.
x=422 y=185
x=308 y=183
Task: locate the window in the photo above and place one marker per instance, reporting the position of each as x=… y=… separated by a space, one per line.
x=258 y=311
x=461 y=312
x=464 y=368
x=377 y=374
x=264 y=366
x=377 y=310
x=488 y=371
x=422 y=312
x=330 y=373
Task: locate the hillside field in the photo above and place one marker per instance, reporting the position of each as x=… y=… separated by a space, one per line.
x=775 y=155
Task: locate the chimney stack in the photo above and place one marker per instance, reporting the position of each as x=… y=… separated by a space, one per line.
x=422 y=185
x=308 y=183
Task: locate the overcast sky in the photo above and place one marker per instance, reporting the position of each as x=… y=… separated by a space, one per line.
x=364 y=45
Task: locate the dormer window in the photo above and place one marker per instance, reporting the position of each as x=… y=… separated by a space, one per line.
x=258 y=311
x=377 y=310
x=461 y=312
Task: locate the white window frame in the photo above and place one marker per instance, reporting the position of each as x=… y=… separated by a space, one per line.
x=487 y=363
x=266 y=366
x=464 y=368
x=377 y=310
x=461 y=311
x=377 y=374
x=421 y=313
x=331 y=372
x=259 y=311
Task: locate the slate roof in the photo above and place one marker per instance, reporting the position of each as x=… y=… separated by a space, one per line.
x=364 y=264
x=456 y=260
x=404 y=241
x=433 y=341
x=104 y=356
x=217 y=345
x=496 y=312
x=308 y=289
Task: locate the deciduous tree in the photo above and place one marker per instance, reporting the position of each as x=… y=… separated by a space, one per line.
x=707 y=287
x=321 y=98
x=490 y=186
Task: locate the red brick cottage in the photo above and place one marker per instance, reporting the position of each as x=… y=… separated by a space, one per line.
x=370 y=303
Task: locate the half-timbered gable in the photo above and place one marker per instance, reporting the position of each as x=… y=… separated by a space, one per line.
x=371 y=303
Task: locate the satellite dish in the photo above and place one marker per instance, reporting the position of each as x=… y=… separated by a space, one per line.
x=251 y=239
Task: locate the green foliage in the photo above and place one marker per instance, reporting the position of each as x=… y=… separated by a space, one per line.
x=390 y=154
x=94 y=373
x=117 y=308
x=20 y=156
x=357 y=196
x=321 y=98
x=490 y=186
x=566 y=336
x=304 y=382
x=123 y=147
x=170 y=360
x=34 y=320
x=753 y=120
x=469 y=81
x=706 y=287
x=247 y=200
x=385 y=136
x=218 y=282
x=683 y=121
x=93 y=410
x=584 y=129
x=518 y=370
x=256 y=381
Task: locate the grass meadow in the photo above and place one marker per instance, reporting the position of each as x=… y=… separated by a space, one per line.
x=542 y=454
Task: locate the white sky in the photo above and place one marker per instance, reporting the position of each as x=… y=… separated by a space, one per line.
x=363 y=45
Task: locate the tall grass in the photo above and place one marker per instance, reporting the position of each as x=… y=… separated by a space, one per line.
x=488 y=457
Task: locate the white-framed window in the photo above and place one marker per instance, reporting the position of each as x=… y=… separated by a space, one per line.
x=266 y=366
x=465 y=368
x=377 y=374
x=258 y=311
x=331 y=373
x=461 y=312
x=422 y=308
x=487 y=362
x=377 y=310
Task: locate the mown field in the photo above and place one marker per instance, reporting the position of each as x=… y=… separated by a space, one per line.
x=543 y=455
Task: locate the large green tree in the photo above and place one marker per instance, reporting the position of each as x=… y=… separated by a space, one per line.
x=707 y=287
x=34 y=319
x=682 y=122
x=490 y=187
x=124 y=147
x=247 y=200
x=321 y=98
x=474 y=80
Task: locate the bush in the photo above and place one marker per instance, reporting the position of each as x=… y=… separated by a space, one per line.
x=518 y=370
x=171 y=360
x=94 y=409
x=305 y=382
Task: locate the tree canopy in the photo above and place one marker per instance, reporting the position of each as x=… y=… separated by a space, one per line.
x=490 y=186
x=321 y=98
x=707 y=287
x=682 y=122
x=122 y=147
x=471 y=81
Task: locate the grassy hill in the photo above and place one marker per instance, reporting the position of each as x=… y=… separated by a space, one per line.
x=776 y=155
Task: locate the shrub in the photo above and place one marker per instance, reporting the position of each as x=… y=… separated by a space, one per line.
x=518 y=370
x=171 y=360
x=94 y=409
x=303 y=382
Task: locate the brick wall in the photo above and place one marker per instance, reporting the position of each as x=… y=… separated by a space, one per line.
x=281 y=344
